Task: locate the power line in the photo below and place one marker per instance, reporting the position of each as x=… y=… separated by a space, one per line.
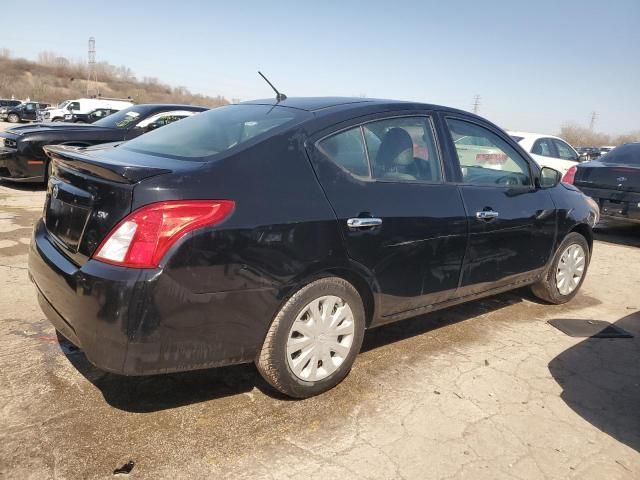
x=476 y=104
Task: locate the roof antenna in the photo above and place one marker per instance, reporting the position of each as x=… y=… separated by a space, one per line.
x=279 y=96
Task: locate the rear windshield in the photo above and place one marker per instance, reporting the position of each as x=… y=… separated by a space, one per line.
x=624 y=155
x=215 y=131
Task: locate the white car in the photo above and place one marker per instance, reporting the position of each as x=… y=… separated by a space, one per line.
x=547 y=150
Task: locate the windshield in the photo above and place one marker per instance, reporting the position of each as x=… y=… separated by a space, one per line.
x=625 y=155
x=64 y=104
x=123 y=119
x=216 y=131
x=516 y=138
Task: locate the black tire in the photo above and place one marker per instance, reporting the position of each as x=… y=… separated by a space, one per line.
x=57 y=119
x=546 y=289
x=13 y=118
x=272 y=361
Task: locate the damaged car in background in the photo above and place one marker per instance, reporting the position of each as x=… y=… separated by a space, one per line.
x=277 y=231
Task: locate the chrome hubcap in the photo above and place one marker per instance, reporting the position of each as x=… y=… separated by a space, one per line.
x=570 y=269
x=320 y=338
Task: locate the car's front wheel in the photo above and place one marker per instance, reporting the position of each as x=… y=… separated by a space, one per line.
x=314 y=339
x=13 y=118
x=567 y=271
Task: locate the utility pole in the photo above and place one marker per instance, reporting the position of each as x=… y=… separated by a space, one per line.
x=476 y=104
x=92 y=73
x=594 y=115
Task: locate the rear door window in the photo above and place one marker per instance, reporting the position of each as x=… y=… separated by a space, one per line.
x=395 y=149
x=485 y=158
x=403 y=149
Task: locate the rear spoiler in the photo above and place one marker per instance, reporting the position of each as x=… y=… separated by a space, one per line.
x=76 y=159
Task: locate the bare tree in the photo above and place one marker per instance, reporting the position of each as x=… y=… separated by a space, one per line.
x=585 y=137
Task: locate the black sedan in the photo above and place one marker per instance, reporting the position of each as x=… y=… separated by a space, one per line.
x=613 y=181
x=90 y=117
x=276 y=232
x=22 y=158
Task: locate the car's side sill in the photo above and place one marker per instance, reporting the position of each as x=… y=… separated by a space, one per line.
x=454 y=301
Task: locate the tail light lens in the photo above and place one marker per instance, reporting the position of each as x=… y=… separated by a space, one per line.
x=145 y=235
x=570 y=176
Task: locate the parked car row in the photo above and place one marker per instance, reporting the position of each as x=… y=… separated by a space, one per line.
x=277 y=231
x=22 y=158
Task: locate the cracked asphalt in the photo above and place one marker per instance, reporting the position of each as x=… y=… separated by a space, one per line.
x=483 y=390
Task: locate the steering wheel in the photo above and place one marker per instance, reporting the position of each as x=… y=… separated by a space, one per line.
x=508 y=180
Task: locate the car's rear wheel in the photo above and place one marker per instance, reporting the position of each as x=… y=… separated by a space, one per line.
x=567 y=271
x=314 y=339
x=13 y=118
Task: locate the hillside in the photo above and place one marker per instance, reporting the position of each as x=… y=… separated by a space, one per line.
x=53 y=78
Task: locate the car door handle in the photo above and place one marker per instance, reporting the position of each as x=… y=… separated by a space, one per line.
x=363 y=222
x=487 y=215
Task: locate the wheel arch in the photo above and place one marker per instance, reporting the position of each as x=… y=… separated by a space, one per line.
x=586 y=231
x=365 y=286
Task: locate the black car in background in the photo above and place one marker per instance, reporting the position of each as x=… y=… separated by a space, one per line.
x=90 y=117
x=588 y=153
x=22 y=158
x=276 y=232
x=613 y=181
x=22 y=112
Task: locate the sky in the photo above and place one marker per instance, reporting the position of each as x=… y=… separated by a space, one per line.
x=536 y=65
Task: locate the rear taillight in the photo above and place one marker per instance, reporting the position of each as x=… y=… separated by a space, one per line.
x=145 y=235
x=570 y=175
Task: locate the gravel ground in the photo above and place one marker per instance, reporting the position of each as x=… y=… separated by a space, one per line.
x=484 y=390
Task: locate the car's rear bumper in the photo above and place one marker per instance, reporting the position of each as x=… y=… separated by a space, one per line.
x=616 y=204
x=140 y=321
x=18 y=168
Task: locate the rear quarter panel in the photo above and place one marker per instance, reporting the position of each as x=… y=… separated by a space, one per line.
x=281 y=234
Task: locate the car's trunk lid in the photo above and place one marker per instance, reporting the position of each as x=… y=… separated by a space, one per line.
x=87 y=195
x=619 y=177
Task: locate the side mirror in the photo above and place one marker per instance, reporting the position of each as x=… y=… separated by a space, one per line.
x=549 y=177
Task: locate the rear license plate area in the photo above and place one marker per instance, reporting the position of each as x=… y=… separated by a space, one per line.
x=614 y=207
x=67 y=212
